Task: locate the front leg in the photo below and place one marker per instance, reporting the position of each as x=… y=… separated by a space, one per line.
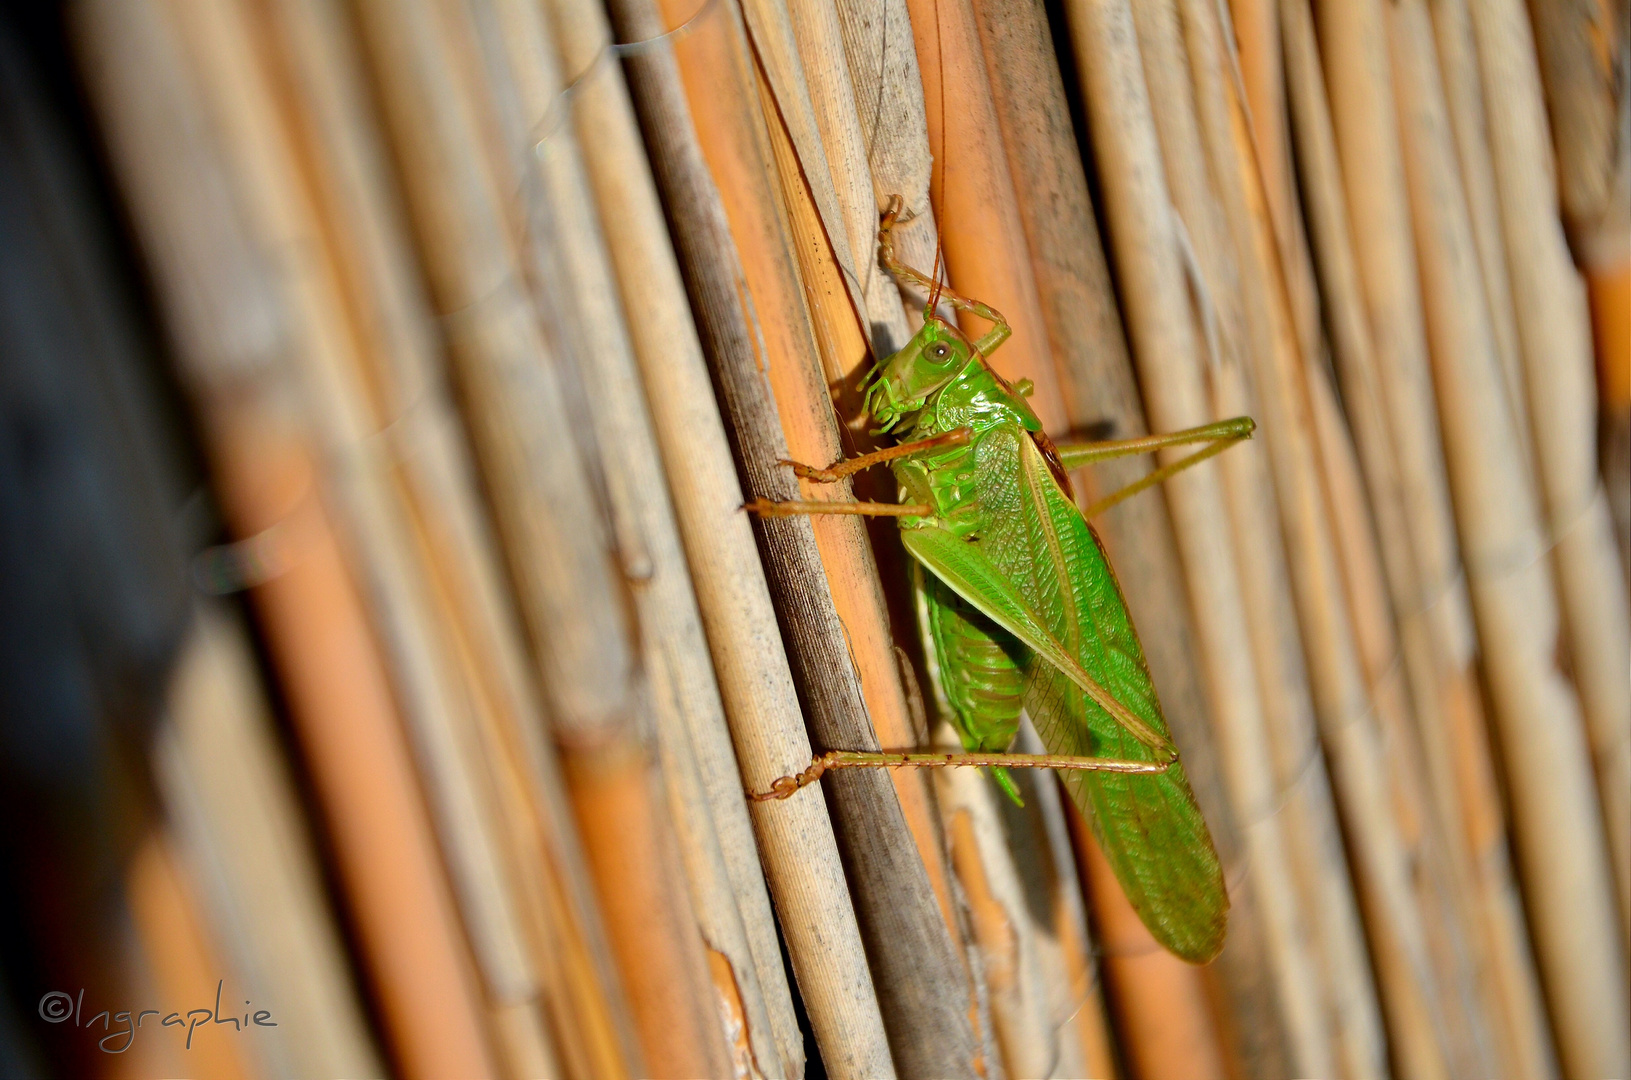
x=794 y=507
x=849 y=467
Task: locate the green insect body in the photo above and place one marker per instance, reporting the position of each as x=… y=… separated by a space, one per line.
x=1020 y=609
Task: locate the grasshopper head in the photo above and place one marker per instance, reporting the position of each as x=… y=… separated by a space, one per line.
x=905 y=381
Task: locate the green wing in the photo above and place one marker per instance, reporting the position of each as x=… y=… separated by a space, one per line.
x=1037 y=570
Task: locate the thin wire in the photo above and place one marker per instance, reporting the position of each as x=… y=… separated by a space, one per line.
x=555 y=114
x=940 y=164
x=1490 y=570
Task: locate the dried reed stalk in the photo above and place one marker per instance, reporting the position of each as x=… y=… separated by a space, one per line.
x=1260 y=66
x=848 y=349
x=1256 y=321
x=754 y=682
x=1554 y=331
x=1029 y=987
x=1359 y=692
x=237 y=819
x=790 y=114
x=1256 y=75
x=1559 y=832
x=1309 y=991
x=1167 y=343
x=574 y=265
x=1101 y=396
x=1435 y=598
x=986 y=256
x=818 y=31
x=973 y=196
x=1090 y=353
x=1437 y=643
x=820 y=571
x=169 y=922
x=472 y=703
x=217 y=287
x=1160 y=1007
x=847 y=353
x=786 y=92
x=1469 y=122
x=1246 y=696
x=570 y=593
x=823 y=939
x=795 y=836
x=399 y=364
x=888 y=94
x=1028 y=923
x=1582 y=50
x=882 y=56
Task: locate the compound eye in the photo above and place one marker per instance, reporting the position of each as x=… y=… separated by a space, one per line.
x=939 y=350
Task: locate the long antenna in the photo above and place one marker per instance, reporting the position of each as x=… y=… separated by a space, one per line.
x=939 y=163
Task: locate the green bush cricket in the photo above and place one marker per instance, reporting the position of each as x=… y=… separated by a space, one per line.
x=1019 y=608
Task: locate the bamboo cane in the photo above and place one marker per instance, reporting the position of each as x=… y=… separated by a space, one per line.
x=1559 y=833
x=826 y=955
x=334 y=677
x=1554 y=333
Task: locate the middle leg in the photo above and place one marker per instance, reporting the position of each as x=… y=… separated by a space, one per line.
x=848 y=467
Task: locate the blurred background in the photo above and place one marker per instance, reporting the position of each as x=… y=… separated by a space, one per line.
x=385 y=656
